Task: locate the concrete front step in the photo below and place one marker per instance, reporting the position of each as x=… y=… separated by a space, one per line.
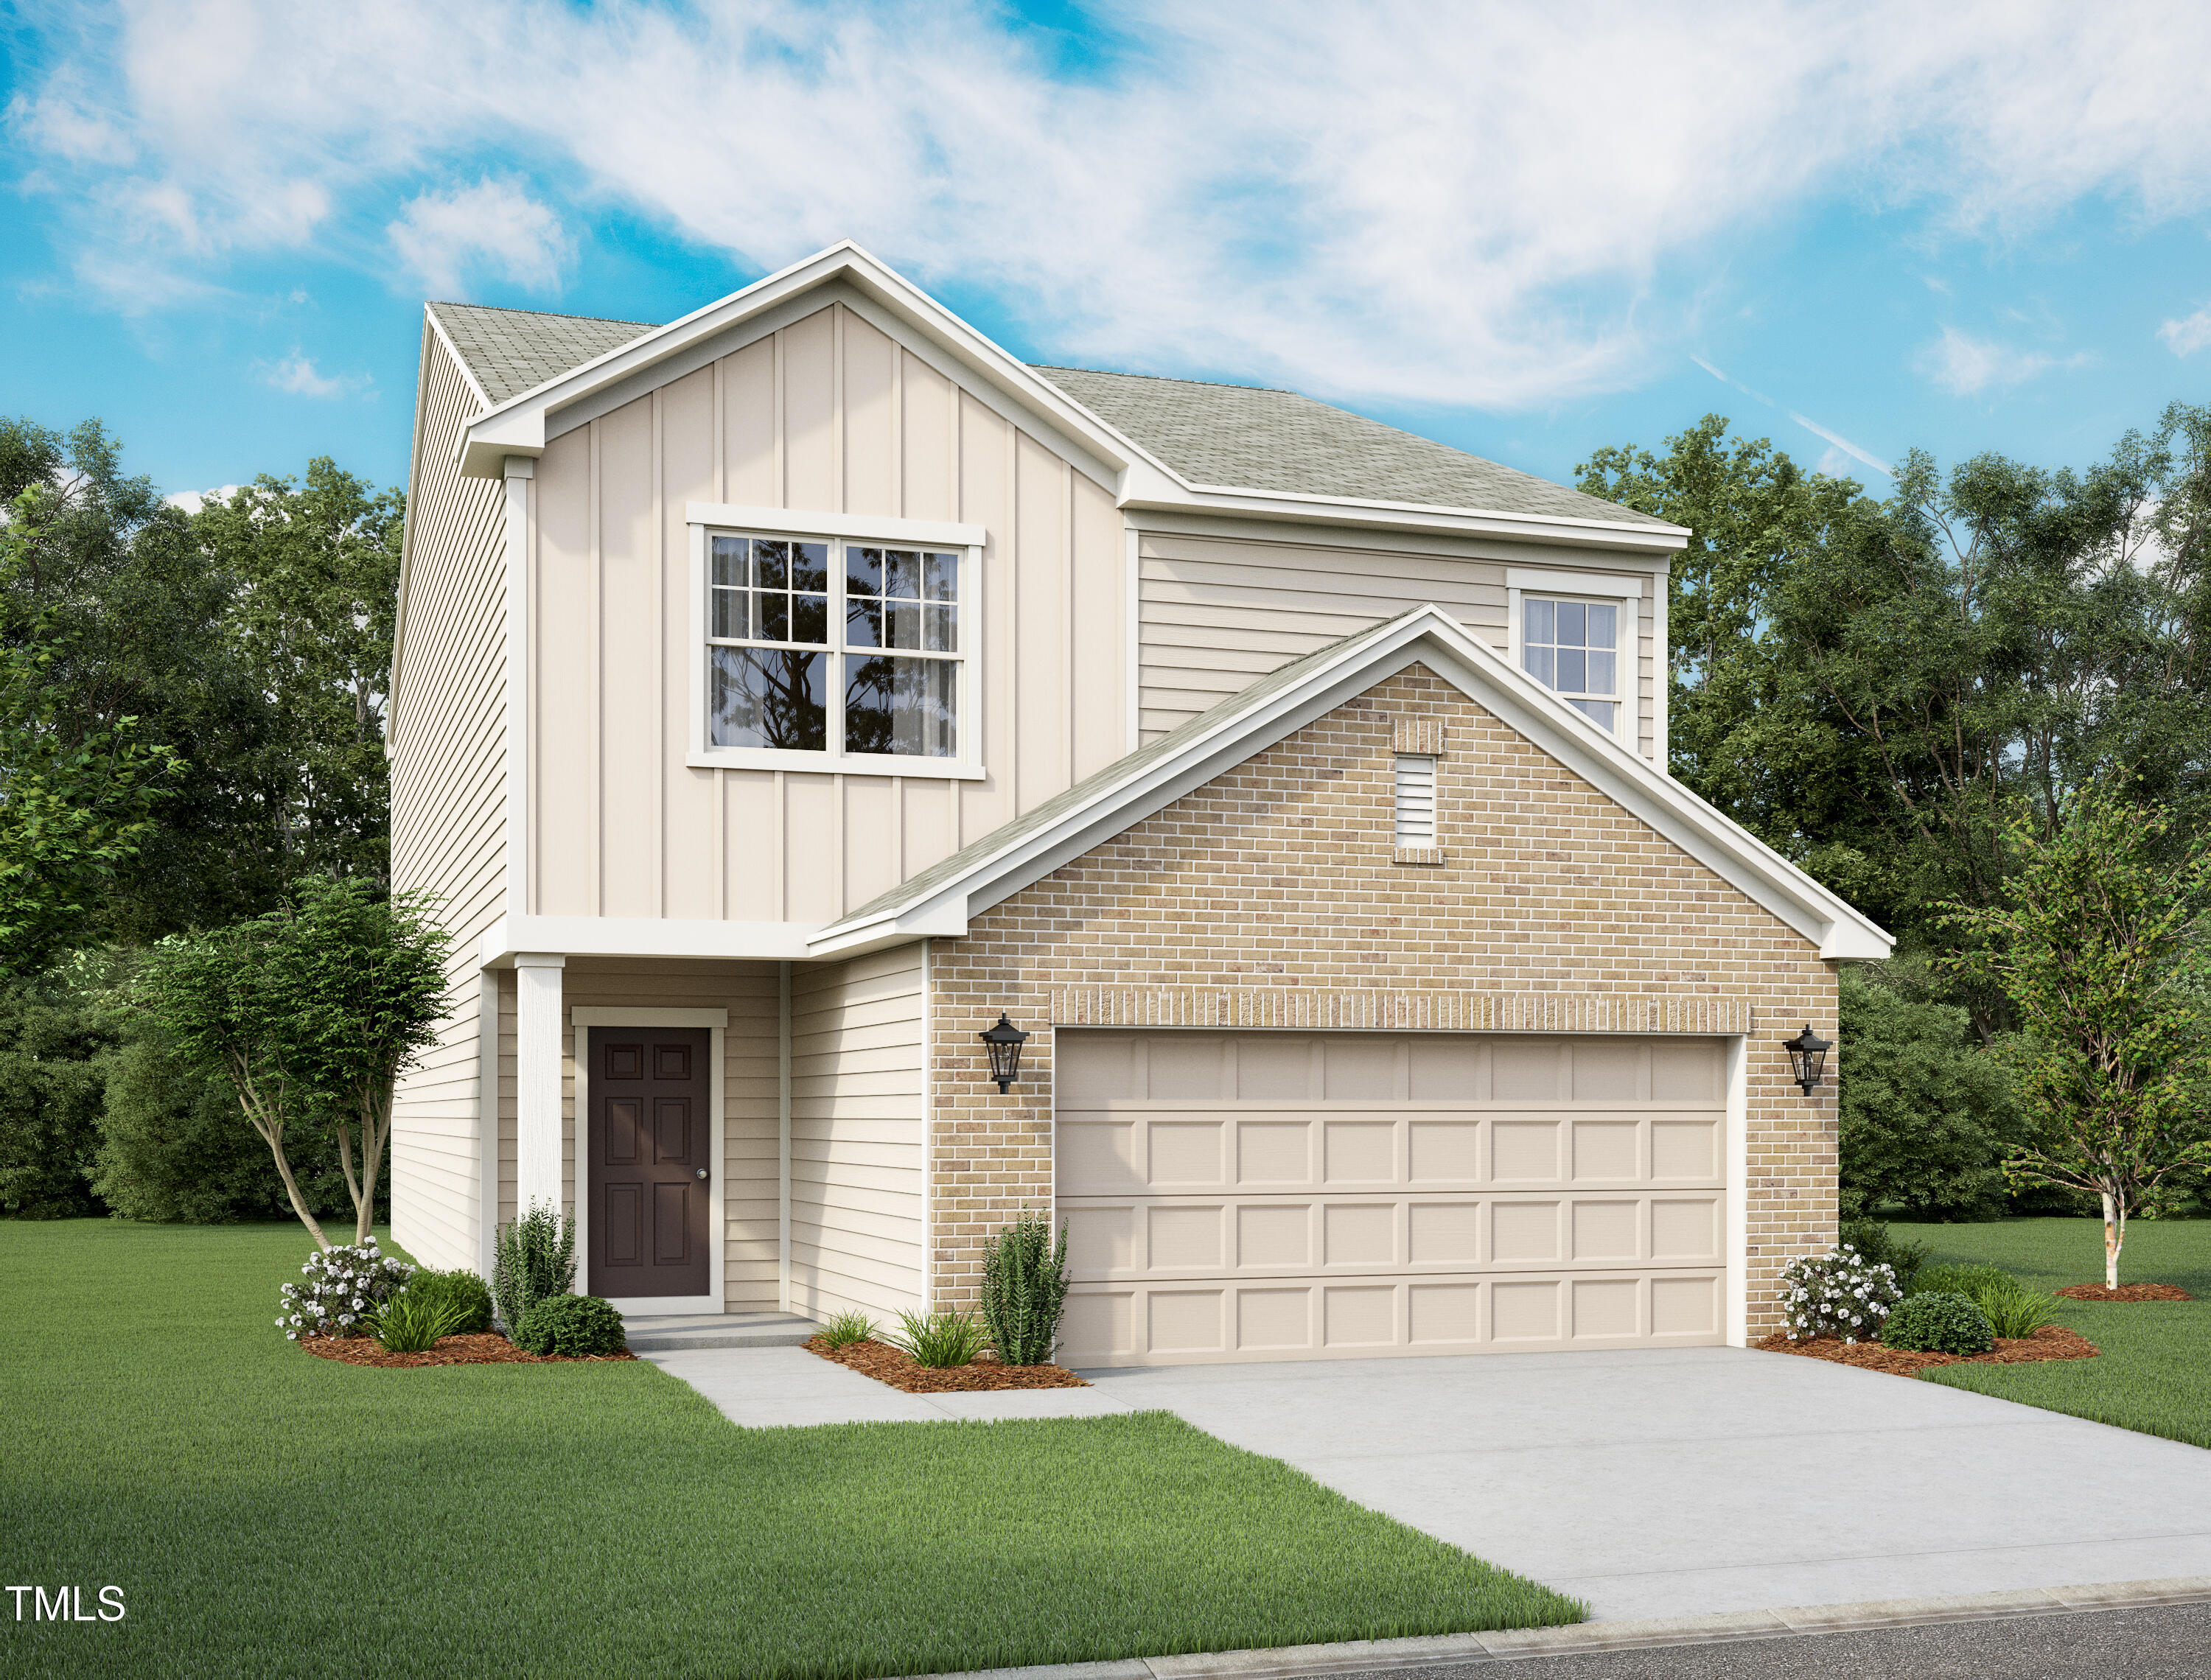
x=672 y=1334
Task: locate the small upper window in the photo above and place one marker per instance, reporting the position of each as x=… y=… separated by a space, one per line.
x=1573 y=647
x=1416 y=801
x=833 y=646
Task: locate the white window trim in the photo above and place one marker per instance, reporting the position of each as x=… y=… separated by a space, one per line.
x=706 y=519
x=1421 y=764
x=581 y=1019
x=1524 y=581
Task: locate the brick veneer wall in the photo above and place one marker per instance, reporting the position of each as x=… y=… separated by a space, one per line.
x=1270 y=896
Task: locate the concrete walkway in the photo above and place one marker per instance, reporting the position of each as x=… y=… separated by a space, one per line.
x=1652 y=1483
x=1694 y=1480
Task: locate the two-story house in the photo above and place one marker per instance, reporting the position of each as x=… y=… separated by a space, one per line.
x=785 y=694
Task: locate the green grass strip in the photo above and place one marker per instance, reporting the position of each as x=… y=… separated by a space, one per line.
x=268 y=1512
x=2154 y=1375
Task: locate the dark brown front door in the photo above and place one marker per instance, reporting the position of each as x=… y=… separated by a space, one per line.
x=651 y=1155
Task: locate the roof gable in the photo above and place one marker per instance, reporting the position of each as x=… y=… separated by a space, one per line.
x=940 y=901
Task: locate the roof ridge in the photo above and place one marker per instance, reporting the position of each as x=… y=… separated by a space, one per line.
x=1169 y=380
x=542 y=314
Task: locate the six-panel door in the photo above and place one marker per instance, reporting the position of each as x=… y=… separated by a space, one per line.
x=650 y=1155
x=1299 y=1196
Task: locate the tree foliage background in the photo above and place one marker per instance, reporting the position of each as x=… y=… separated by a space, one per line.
x=192 y=721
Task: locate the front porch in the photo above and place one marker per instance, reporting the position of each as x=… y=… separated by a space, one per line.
x=739 y=1142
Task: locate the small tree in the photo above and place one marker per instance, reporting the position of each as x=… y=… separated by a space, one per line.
x=314 y=1011
x=2092 y=943
x=365 y=981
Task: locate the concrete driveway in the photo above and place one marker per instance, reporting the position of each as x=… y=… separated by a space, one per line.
x=1691 y=1480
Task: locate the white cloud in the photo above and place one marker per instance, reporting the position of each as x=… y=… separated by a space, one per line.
x=1964 y=365
x=2188 y=334
x=493 y=227
x=1435 y=204
x=297 y=376
x=193 y=500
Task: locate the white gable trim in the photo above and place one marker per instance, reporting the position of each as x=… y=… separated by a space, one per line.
x=895 y=304
x=1429 y=636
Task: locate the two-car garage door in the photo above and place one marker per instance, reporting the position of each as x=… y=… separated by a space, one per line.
x=1299 y=1196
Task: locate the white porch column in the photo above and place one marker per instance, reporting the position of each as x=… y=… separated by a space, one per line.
x=537 y=1078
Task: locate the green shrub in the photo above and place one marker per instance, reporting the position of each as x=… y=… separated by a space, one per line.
x=573 y=1326
x=174 y=1149
x=941 y=1340
x=847 y=1329
x=463 y=1290
x=1926 y=1114
x=1840 y=1293
x=1024 y=1288
x=532 y=1259
x=1970 y=1281
x=412 y=1322
x=1938 y=1321
x=1883 y=1247
x=2015 y=1310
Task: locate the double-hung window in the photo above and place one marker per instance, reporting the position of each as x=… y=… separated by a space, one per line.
x=1573 y=646
x=1575 y=633
x=842 y=647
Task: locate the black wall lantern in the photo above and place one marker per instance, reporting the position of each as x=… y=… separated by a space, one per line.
x=1005 y=1041
x=1808 y=1057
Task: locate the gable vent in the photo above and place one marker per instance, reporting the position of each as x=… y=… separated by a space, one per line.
x=1416 y=800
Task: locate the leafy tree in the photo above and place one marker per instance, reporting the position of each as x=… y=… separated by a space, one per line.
x=2097 y=942
x=312 y=1011
x=1879 y=689
x=317 y=569
x=1927 y=1116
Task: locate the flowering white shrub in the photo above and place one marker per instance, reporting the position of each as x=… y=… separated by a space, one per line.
x=344 y=1286
x=1839 y=1293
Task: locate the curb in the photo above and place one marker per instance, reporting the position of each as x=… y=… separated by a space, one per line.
x=1511 y=1644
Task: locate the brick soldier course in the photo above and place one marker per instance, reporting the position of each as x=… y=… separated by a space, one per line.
x=1273 y=896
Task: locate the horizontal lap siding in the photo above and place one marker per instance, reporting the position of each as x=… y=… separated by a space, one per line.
x=1216 y=615
x=448 y=806
x=858 y=1190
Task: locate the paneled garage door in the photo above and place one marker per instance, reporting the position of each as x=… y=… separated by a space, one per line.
x=1315 y=1196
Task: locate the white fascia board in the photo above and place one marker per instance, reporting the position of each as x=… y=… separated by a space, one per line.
x=1670 y=809
x=1154 y=488
x=517 y=427
x=643 y=936
x=864 y=527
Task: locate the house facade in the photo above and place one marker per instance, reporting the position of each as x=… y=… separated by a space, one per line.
x=784 y=694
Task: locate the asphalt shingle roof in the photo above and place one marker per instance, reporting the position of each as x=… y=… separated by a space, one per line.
x=1233 y=436
x=510 y=351
x=1249 y=438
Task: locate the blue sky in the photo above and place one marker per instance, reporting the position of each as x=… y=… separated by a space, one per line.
x=1528 y=230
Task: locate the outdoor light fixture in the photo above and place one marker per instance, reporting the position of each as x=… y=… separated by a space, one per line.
x=1005 y=1041
x=1808 y=1057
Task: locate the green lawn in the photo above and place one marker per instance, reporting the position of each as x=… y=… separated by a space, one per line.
x=269 y=1512
x=2155 y=1372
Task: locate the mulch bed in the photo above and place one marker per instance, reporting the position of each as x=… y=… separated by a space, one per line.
x=2052 y=1341
x=897 y=1367
x=485 y=1349
x=2124 y=1292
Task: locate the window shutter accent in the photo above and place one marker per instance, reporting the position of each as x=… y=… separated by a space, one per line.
x=1416 y=801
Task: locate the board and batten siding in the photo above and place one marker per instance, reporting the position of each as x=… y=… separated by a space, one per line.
x=825 y=413
x=1219 y=613
x=858 y=1189
x=448 y=765
x=750 y=1096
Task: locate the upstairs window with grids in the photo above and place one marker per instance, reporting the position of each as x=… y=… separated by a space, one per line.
x=844 y=648
x=1572 y=648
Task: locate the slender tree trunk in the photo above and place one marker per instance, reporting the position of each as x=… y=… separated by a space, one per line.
x=2115 y=1236
x=271 y=1128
